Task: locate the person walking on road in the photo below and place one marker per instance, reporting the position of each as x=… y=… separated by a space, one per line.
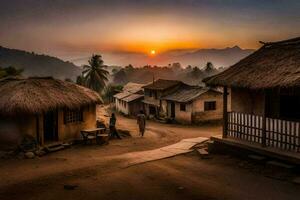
x=112 y=127
x=141 y=121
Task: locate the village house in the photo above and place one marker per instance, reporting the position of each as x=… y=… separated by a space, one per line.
x=153 y=104
x=129 y=101
x=45 y=109
x=265 y=96
x=194 y=104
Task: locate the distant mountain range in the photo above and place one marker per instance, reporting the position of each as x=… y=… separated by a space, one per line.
x=38 y=65
x=195 y=57
x=219 y=57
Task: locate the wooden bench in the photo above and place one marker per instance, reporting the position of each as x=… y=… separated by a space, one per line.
x=97 y=134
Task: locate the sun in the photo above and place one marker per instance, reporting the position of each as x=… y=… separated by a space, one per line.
x=153 y=52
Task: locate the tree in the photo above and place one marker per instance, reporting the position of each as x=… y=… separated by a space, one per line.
x=68 y=80
x=209 y=67
x=121 y=77
x=129 y=68
x=189 y=68
x=109 y=91
x=95 y=74
x=80 y=80
x=196 y=73
x=176 y=66
x=10 y=71
x=114 y=71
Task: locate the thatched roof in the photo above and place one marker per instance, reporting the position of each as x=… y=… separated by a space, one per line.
x=162 y=84
x=274 y=65
x=37 y=95
x=187 y=94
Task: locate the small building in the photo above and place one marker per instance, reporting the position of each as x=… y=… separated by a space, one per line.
x=194 y=104
x=129 y=101
x=46 y=109
x=153 y=104
x=265 y=96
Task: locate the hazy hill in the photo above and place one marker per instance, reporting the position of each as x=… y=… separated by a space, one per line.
x=38 y=65
x=220 y=57
x=196 y=57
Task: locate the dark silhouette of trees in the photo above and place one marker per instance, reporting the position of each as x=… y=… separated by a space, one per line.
x=109 y=91
x=10 y=71
x=121 y=77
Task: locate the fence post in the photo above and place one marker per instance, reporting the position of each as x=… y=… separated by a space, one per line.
x=264 y=121
x=225 y=114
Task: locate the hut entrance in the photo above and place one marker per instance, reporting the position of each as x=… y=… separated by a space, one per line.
x=50 y=126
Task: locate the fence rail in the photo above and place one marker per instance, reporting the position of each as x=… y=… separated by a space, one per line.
x=279 y=133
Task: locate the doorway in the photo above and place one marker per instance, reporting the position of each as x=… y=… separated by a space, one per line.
x=50 y=126
x=152 y=110
x=172 y=110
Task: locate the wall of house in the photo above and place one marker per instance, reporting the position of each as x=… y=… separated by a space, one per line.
x=195 y=111
x=156 y=99
x=183 y=117
x=198 y=112
x=135 y=107
x=71 y=131
x=13 y=130
x=122 y=107
x=247 y=101
x=153 y=98
x=164 y=108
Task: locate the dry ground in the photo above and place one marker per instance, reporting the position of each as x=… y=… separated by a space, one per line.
x=100 y=172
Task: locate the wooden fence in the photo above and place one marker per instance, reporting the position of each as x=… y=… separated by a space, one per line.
x=278 y=133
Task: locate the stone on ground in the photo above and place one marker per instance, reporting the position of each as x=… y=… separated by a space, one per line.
x=29 y=155
x=203 y=153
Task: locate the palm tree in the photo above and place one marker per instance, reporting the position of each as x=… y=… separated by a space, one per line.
x=94 y=74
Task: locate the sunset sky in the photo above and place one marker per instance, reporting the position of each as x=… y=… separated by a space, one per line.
x=74 y=28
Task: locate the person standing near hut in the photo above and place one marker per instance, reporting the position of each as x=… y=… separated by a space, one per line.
x=141 y=121
x=112 y=126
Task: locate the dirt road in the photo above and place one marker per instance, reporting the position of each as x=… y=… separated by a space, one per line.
x=101 y=172
x=181 y=177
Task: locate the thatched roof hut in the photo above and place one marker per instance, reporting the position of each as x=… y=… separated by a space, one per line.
x=37 y=95
x=274 y=65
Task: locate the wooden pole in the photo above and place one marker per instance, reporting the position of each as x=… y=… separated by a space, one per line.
x=225 y=114
x=37 y=129
x=264 y=121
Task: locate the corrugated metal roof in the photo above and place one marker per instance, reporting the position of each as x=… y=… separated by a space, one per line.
x=133 y=87
x=132 y=97
x=187 y=94
x=121 y=95
x=162 y=84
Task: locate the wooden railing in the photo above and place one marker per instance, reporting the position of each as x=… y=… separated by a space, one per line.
x=278 y=133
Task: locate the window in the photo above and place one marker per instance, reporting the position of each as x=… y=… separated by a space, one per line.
x=155 y=95
x=182 y=107
x=209 y=105
x=71 y=116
